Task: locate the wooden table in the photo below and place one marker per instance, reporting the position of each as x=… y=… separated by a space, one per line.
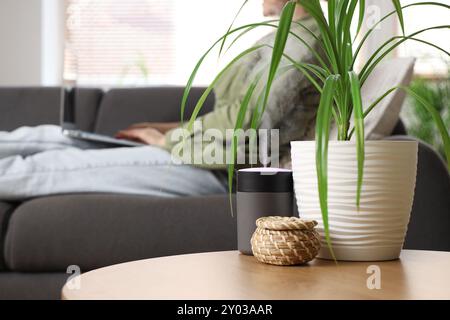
x=230 y=275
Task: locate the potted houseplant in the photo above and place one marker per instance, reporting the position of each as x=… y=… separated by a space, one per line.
x=361 y=192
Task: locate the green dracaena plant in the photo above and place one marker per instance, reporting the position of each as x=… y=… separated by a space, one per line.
x=333 y=76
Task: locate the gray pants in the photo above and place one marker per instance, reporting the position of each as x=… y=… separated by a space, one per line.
x=40 y=161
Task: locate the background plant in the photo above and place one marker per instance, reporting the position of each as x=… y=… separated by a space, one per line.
x=418 y=122
x=333 y=76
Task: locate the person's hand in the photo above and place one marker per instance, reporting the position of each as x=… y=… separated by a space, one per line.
x=142 y=125
x=162 y=127
x=145 y=135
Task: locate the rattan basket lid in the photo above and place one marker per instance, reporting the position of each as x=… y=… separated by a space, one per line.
x=285 y=223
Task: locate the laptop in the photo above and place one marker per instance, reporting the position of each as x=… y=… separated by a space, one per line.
x=69 y=128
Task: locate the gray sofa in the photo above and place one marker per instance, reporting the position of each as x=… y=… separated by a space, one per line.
x=41 y=237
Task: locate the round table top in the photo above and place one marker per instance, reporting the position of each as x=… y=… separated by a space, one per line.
x=231 y=275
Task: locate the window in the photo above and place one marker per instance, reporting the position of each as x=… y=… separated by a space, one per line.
x=145 y=42
x=430 y=62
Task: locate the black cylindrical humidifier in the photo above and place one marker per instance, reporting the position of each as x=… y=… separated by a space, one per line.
x=261 y=192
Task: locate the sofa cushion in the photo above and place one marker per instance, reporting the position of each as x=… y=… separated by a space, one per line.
x=5 y=212
x=41 y=105
x=28 y=106
x=92 y=231
x=122 y=107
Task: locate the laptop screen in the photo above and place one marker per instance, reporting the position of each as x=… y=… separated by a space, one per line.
x=67 y=108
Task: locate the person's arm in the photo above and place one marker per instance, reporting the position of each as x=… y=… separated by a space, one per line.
x=222 y=118
x=229 y=92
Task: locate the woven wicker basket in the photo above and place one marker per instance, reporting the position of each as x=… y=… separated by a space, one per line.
x=285 y=240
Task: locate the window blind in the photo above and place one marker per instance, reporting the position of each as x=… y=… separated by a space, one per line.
x=112 y=41
x=144 y=42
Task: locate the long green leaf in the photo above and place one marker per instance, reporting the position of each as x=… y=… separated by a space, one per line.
x=369 y=32
x=428 y=107
x=323 y=123
x=332 y=16
x=258 y=112
x=308 y=71
x=398 y=9
x=231 y=26
x=234 y=142
x=249 y=29
x=372 y=106
x=431 y=45
x=193 y=74
x=341 y=31
x=315 y=10
x=279 y=45
x=437 y=119
x=310 y=48
x=345 y=46
x=371 y=64
x=208 y=90
x=277 y=53
x=239 y=124
x=199 y=63
x=239 y=121
x=362 y=12
x=359 y=127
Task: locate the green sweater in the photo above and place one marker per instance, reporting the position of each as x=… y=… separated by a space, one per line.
x=291 y=107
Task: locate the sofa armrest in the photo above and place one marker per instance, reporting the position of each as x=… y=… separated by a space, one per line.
x=32 y=106
x=28 y=106
x=6 y=209
x=430 y=218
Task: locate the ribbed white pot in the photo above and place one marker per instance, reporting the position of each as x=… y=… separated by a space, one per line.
x=377 y=231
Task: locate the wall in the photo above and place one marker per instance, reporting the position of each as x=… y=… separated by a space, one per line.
x=30 y=42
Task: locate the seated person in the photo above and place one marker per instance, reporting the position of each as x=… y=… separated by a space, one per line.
x=41 y=161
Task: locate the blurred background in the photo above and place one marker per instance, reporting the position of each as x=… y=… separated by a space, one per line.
x=112 y=43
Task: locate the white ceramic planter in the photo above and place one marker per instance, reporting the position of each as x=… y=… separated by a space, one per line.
x=378 y=230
